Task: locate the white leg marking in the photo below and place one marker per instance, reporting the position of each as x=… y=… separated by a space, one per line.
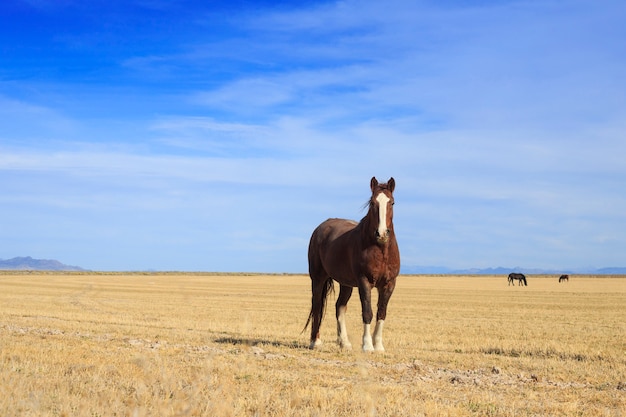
x=315 y=343
x=367 y=339
x=382 y=214
x=378 y=336
x=342 y=333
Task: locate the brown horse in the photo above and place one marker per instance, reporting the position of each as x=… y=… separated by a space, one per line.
x=363 y=255
x=564 y=277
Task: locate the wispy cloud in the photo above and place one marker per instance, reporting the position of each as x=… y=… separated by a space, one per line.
x=501 y=122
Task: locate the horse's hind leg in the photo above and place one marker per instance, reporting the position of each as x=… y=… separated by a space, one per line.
x=341 y=307
x=319 y=289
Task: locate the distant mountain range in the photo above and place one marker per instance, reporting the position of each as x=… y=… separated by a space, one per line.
x=27 y=263
x=505 y=271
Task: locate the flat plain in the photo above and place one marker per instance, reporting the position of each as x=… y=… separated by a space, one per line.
x=174 y=344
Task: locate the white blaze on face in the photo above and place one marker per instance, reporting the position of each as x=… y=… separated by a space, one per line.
x=382 y=214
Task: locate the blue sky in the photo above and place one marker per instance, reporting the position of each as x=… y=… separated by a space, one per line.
x=215 y=136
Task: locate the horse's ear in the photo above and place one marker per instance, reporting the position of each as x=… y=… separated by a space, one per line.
x=373 y=183
x=391 y=184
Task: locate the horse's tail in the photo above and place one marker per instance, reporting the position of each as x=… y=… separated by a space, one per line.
x=328 y=288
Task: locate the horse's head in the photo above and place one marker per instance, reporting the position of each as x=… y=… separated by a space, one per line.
x=381 y=208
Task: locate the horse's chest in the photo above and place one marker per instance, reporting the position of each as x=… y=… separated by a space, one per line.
x=379 y=265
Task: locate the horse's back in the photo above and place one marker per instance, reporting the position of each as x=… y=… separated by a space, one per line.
x=328 y=232
x=331 y=229
x=326 y=243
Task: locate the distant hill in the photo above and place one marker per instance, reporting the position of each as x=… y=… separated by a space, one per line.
x=27 y=263
x=616 y=270
x=505 y=270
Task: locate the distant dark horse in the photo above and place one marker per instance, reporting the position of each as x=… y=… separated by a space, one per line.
x=519 y=277
x=363 y=255
x=564 y=278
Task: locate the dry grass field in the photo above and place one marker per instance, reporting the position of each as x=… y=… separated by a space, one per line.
x=231 y=345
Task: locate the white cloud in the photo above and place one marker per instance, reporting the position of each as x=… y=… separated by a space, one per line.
x=502 y=124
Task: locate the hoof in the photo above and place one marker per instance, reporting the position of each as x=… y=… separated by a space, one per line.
x=345 y=345
x=315 y=343
x=378 y=346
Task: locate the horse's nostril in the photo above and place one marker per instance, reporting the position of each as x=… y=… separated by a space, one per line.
x=384 y=237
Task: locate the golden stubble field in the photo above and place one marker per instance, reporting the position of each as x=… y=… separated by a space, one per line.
x=100 y=344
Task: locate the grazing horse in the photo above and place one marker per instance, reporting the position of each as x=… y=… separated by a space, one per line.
x=564 y=278
x=363 y=255
x=519 y=277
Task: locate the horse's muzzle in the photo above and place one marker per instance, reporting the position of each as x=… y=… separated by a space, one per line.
x=382 y=238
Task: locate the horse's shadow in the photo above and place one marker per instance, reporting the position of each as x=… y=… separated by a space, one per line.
x=248 y=341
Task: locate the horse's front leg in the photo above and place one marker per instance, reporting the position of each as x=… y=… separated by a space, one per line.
x=384 y=294
x=365 y=293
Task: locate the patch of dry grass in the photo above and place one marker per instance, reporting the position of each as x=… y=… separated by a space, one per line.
x=230 y=345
